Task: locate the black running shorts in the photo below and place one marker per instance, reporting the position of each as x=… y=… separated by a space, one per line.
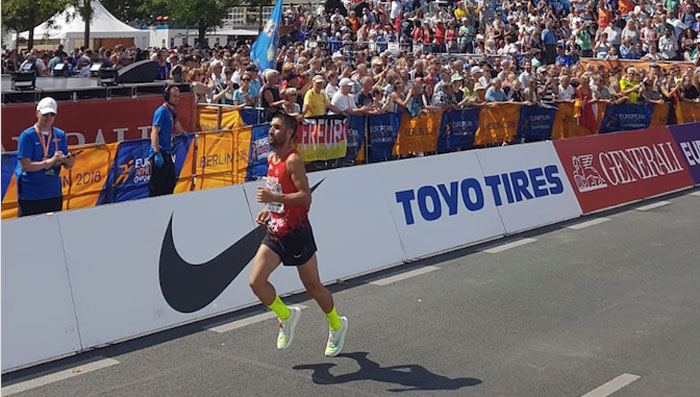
x=295 y=248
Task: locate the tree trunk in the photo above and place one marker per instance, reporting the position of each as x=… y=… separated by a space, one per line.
x=30 y=38
x=202 y=31
x=260 y=14
x=87 y=16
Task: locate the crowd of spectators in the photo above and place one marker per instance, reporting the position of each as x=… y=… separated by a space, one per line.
x=370 y=57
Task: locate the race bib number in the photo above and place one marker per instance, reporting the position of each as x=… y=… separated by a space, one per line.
x=272 y=184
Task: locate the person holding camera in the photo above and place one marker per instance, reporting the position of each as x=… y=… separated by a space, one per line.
x=161 y=154
x=42 y=151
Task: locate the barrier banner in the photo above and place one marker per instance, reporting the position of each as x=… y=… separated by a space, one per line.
x=457 y=129
x=9 y=163
x=535 y=123
x=566 y=126
x=259 y=152
x=687 y=139
x=9 y=186
x=130 y=173
x=383 y=130
x=356 y=138
x=222 y=158
x=119 y=119
x=690 y=111
x=323 y=138
x=659 y=116
x=612 y=169
x=626 y=116
x=418 y=134
x=83 y=184
x=497 y=124
x=250 y=116
x=186 y=162
x=624 y=64
x=211 y=118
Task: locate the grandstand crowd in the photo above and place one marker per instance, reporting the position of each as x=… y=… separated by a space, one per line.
x=370 y=57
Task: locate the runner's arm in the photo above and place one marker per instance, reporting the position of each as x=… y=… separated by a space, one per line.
x=297 y=171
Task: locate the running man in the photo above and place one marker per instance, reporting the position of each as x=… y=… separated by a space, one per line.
x=289 y=238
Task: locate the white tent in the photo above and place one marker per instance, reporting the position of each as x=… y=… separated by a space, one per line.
x=68 y=26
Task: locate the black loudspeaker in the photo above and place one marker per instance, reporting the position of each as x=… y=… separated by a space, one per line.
x=138 y=72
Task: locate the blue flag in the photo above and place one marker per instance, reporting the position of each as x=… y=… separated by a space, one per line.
x=264 y=50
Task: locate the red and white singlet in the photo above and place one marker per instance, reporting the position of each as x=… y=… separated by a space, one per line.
x=283 y=218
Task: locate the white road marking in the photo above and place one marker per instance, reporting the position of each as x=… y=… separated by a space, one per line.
x=653 y=205
x=58 y=376
x=612 y=386
x=695 y=193
x=403 y=276
x=592 y=222
x=258 y=318
x=508 y=246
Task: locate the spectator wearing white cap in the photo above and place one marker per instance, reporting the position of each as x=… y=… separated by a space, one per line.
x=343 y=100
x=42 y=151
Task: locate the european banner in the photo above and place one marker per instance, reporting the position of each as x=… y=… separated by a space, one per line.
x=418 y=134
x=535 y=123
x=9 y=162
x=259 y=152
x=457 y=129
x=130 y=172
x=356 y=138
x=626 y=116
x=383 y=130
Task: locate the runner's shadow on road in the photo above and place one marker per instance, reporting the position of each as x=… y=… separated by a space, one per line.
x=412 y=376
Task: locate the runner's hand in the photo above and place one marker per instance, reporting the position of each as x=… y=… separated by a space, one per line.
x=262 y=217
x=266 y=196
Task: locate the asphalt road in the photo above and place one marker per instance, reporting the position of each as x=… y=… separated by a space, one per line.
x=559 y=316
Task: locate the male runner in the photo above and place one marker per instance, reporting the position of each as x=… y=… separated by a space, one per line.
x=289 y=237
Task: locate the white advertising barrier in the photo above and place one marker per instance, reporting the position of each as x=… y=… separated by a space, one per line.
x=439 y=202
x=123 y=265
x=353 y=227
x=528 y=185
x=38 y=320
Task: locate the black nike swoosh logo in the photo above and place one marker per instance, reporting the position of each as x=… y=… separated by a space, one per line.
x=188 y=287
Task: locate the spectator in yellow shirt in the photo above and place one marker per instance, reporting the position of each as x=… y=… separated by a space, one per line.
x=460 y=11
x=630 y=85
x=315 y=101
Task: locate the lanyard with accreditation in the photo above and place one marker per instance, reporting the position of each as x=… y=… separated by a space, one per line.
x=45 y=147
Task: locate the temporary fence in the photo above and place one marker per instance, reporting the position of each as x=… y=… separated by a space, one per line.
x=233 y=146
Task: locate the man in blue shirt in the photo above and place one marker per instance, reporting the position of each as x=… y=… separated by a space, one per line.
x=495 y=93
x=42 y=151
x=161 y=153
x=550 y=42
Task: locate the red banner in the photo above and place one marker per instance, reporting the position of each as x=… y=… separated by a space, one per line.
x=612 y=169
x=95 y=121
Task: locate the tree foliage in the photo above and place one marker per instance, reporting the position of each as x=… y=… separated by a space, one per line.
x=203 y=15
x=21 y=15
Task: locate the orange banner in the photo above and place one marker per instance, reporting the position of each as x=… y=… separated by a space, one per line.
x=566 y=126
x=211 y=118
x=222 y=158
x=83 y=183
x=690 y=112
x=497 y=124
x=418 y=134
x=660 y=115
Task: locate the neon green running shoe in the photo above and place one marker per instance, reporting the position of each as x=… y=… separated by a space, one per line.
x=285 y=336
x=336 y=338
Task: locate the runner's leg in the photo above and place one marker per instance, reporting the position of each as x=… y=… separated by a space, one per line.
x=265 y=262
x=308 y=273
